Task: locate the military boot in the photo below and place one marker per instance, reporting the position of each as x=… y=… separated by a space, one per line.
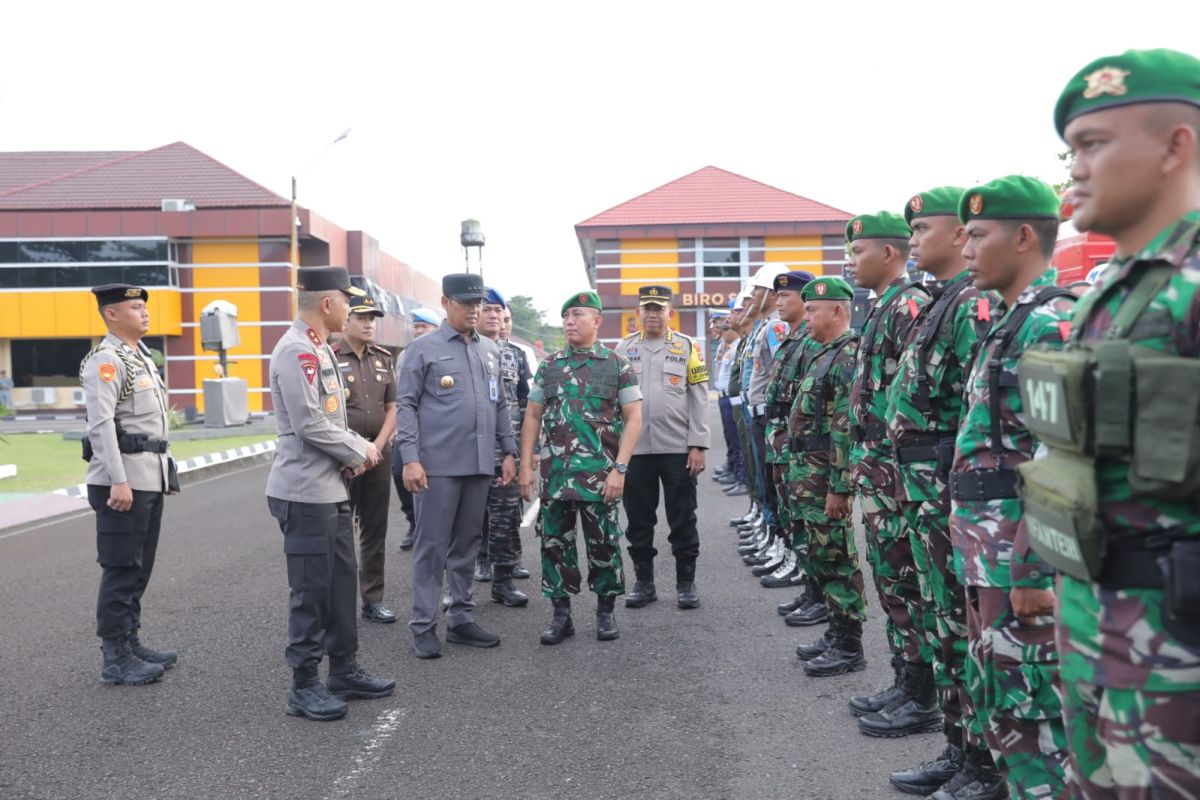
x=165 y=657
x=349 y=681
x=308 y=697
x=122 y=667
x=862 y=704
x=606 y=619
x=561 y=625
x=503 y=590
x=978 y=779
x=643 y=592
x=929 y=775
x=483 y=570
x=916 y=711
x=686 y=595
x=844 y=654
x=807 y=652
x=813 y=611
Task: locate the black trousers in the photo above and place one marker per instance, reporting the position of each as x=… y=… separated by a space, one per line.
x=642 y=481
x=126 y=544
x=370 y=496
x=318 y=541
x=733 y=445
x=767 y=471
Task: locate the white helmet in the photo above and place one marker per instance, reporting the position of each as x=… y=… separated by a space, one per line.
x=766 y=275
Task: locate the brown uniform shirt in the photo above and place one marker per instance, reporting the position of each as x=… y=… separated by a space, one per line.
x=370 y=386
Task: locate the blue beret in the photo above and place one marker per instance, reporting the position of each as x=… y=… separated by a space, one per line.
x=426 y=315
x=494 y=298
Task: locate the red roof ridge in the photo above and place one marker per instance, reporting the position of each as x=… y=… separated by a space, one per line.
x=74 y=173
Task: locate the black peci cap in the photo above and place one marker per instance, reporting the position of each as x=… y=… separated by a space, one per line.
x=111 y=293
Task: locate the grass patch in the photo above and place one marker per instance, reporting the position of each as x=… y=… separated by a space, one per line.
x=45 y=461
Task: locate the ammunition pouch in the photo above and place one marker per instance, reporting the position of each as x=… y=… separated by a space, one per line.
x=937 y=447
x=1181 y=592
x=1053 y=391
x=1166 y=427
x=809 y=444
x=779 y=410
x=129 y=443
x=981 y=485
x=1061 y=504
x=873 y=432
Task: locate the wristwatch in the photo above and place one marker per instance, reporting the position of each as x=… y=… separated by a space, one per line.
x=619 y=467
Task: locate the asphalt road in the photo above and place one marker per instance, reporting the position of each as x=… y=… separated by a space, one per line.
x=709 y=703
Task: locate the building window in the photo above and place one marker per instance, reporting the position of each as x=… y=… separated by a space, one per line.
x=722 y=258
x=47 y=362
x=82 y=264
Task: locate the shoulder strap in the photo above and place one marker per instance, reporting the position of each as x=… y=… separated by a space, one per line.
x=877 y=313
x=130 y=367
x=820 y=373
x=931 y=329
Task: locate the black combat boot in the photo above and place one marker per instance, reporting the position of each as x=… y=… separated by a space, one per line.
x=643 y=592
x=686 y=595
x=165 y=657
x=807 y=652
x=915 y=712
x=606 y=619
x=926 y=778
x=407 y=542
x=349 y=681
x=503 y=590
x=122 y=667
x=978 y=779
x=308 y=697
x=863 y=704
x=561 y=625
x=483 y=570
x=845 y=652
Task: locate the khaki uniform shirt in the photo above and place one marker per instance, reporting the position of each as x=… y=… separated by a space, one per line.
x=370 y=387
x=674 y=384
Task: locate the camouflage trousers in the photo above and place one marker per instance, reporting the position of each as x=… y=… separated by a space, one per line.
x=889 y=552
x=502 y=526
x=1129 y=744
x=942 y=611
x=743 y=432
x=833 y=560
x=1012 y=669
x=790 y=510
x=560 y=555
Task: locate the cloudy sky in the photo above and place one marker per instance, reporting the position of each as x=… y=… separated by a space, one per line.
x=533 y=116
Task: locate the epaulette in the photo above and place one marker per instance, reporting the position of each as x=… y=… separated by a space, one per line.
x=380 y=349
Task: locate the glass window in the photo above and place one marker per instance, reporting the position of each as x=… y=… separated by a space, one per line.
x=47 y=358
x=722 y=258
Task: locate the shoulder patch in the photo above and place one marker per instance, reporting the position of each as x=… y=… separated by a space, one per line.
x=308 y=365
x=107 y=372
x=1064 y=329
x=983 y=310
x=781 y=329
x=913 y=308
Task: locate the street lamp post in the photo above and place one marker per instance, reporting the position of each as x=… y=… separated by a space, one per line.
x=294 y=251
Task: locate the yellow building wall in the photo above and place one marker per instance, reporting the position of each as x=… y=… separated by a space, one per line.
x=72 y=314
x=665 y=273
x=238 y=285
x=801 y=252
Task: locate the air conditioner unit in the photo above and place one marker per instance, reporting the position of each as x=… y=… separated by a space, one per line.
x=178 y=205
x=43 y=395
x=78 y=398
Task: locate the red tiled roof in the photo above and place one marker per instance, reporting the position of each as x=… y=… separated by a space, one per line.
x=122 y=180
x=713 y=196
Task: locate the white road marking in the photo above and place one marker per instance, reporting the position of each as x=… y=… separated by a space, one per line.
x=366 y=759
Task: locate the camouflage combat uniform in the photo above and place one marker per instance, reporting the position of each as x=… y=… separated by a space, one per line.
x=738 y=407
x=819 y=431
x=925 y=403
x=1132 y=686
x=781 y=390
x=582 y=392
x=1011 y=667
x=502 y=543
x=873 y=462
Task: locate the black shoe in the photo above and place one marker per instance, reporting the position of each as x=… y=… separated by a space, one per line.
x=737 y=490
x=483 y=572
x=352 y=682
x=312 y=699
x=844 y=654
x=687 y=597
x=926 y=778
x=642 y=594
x=376 y=612
x=561 y=625
x=407 y=542
x=165 y=657
x=504 y=592
x=606 y=619
x=807 y=652
x=470 y=634
x=123 y=668
x=862 y=705
x=916 y=711
x=783 y=609
x=520 y=573
x=815 y=613
x=426 y=645
x=974 y=781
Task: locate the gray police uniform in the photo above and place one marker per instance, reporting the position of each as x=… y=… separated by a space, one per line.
x=451 y=412
x=307 y=494
x=674 y=420
x=122 y=390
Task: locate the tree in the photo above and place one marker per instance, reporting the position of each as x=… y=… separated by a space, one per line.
x=1068 y=159
x=529 y=323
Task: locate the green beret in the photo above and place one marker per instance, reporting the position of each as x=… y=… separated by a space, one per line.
x=829 y=287
x=1012 y=197
x=939 y=202
x=583 y=300
x=884 y=225
x=1135 y=76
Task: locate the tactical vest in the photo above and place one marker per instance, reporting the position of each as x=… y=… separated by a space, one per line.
x=603 y=380
x=1107 y=399
x=868 y=338
x=820 y=375
x=931 y=332
x=780 y=404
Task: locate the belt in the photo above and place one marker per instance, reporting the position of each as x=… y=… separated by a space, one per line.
x=759 y=409
x=874 y=432
x=988 y=484
x=1132 y=569
x=809 y=444
x=780 y=409
x=921 y=446
x=136 y=443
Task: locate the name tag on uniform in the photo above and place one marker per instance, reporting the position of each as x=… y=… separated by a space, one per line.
x=493 y=389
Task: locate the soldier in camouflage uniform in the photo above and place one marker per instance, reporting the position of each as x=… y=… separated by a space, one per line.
x=785 y=569
x=879 y=249
x=1128 y=628
x=819 y=448
x=1012 y=224
x=586 y=401
x=501 y=548
x=925 y=403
